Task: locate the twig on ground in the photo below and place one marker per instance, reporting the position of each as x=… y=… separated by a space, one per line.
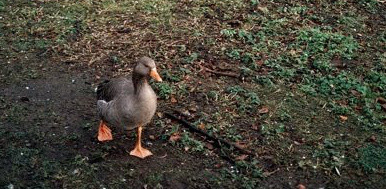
x=218 y=141
x=220 y=73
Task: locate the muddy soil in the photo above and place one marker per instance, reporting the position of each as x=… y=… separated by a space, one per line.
x=48 y=138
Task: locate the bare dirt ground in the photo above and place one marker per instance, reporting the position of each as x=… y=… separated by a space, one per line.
x=52 y=142
x=300 y=85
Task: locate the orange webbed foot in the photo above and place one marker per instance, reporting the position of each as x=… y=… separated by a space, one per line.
x=104 y=132
x=140 y=152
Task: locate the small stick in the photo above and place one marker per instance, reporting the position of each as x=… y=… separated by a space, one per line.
x=218 y=141
x=220 y=73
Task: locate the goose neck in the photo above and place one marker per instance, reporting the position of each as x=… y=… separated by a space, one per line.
x=139 y=82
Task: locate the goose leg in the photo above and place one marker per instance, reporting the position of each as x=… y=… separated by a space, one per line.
x=138 y=150
x=104 y=133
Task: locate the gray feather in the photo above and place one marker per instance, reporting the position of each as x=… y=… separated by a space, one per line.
x=128 y=103
x=102 y=106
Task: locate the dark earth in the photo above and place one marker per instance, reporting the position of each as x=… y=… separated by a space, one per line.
x=230 y=68
x=51 y=123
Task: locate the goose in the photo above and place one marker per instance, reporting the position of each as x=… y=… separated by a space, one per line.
x=128 y=103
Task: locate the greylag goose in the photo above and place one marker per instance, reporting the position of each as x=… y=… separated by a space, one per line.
x=128 y=103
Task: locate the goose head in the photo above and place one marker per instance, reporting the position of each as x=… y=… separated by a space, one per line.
x=145 y=67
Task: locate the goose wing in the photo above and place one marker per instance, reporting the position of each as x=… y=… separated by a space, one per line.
x=110 y=89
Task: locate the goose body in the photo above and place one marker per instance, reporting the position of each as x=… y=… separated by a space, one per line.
x=128 y=103
x=120 y=107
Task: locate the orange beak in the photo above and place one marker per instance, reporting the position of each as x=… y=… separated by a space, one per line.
x=154 y=74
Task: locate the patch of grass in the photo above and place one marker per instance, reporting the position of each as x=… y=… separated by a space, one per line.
x=329 y=154
x=353 y=22
x=369 y=5
x=341 y=85
x=245 y=173
x=15 y=113
x=347 y=89
x=213 y=95
x=272 y=129
x=324 y=44
x=265 y=80
x=246 y=101
x=372 y=158
x=29 y=27
x=294 y=10
x=164 y=90
x=160 y=12
x=234 y=54
x=28 y=163
x=190 y=143
x=168 y=76
x=191 y=58
x=233 y=134
x=154 y=180
x=230 y=33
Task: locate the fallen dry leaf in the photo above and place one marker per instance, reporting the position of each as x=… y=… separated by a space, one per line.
x=266 y=174
x=218 y=165
x=173 y=100
x=372 y=139
x=342 y=102
x=241 y=157
x=187 y=78
x=259 y=62
x=355 y=93
x=186 y=113
x=358 y=108
x=263 y=9
x=300 y=186
x=201 y=126
x=292 y=52
x=297 y=143
x=193 y=108
x=343 y=118
x=256 y=127
x=209 y=146
x=152 y=137
x=175 y=137
x=263 y=110
x=240 y=144
x=381 y=100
